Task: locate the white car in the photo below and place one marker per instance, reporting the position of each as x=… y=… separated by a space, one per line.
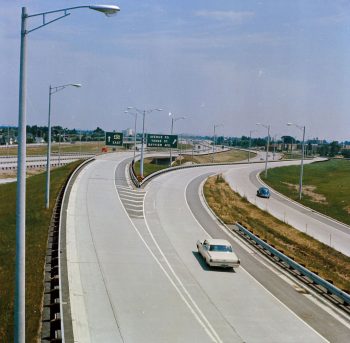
x=218 y=253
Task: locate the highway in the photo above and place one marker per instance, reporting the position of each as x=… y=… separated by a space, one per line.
x=324 y=229
x=135 y=276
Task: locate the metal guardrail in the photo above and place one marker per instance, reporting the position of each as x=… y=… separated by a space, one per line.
x=314 y=278
x=345 y=297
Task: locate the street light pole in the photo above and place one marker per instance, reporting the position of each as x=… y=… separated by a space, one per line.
x=135 y=135
x=215 y=126
x=171 y=132
x=250 y=143
x=59 y=148
x=302 y=128
x=21 y=190
x=302 y=166
x=143 y=112
x=267 y=145
x=142 y=143
x=19 y=310
x=8 y=140
x=135 y=115
x=52 y=90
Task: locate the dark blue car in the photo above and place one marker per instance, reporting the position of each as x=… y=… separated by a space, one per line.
x=263 y=192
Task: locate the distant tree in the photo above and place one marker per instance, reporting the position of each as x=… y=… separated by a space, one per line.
x=346 y=153
x=219 y=140
x=259 y=142
x=288 y=139
x=98 y=130
x=334 y=149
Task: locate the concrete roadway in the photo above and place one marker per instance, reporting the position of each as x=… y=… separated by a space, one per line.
x=244 y=180
x=135 y=276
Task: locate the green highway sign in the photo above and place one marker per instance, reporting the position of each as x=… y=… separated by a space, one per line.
x=161 y=141
x=114 y=138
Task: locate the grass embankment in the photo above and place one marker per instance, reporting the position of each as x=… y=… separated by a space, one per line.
x=326 y=186
x=220 y=157
x=226 y=156
x=37 y=223
x=148 y=167
x=231 y=208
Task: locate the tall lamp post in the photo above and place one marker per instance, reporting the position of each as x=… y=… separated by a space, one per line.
x=250 y=143
x=173 y=119
x=52 y=90
x=143 y=112
x=302 y=128
x=135 y=115
x=215 y=126
x=267 y=145
x=19 y=310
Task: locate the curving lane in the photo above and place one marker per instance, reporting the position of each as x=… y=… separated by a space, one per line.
x=134 y=274
x=325 y=229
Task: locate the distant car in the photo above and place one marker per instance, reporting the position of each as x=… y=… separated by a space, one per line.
x=263 y=192
x=218 y=253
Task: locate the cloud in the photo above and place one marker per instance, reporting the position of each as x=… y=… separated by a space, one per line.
x=232 y=16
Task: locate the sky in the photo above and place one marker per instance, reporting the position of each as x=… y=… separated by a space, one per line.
x=227 y=63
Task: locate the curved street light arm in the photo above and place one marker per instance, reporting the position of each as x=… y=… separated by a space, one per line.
x=56 y=89
x=106 y=9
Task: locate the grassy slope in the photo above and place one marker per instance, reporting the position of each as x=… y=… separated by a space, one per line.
x=148 y=167
x=222 y=157
x=231 y=208
x=331 y=179
x=227 y=156
x=37 y=222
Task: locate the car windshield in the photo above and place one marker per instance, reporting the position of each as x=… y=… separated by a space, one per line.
x=221 y=248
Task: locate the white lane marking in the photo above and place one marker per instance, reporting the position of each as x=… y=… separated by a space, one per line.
x=130 y=196
x=134 y=201
x=135 y=210
x=210 y=334
x=124 y=187
x=133 y=205
x=279 y=301
x=183 y=286
x=130 y=191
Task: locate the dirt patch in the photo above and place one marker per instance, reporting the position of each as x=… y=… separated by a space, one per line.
x=8 y=174
x=347 y=209
x=310 y=192
x=13 y=173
